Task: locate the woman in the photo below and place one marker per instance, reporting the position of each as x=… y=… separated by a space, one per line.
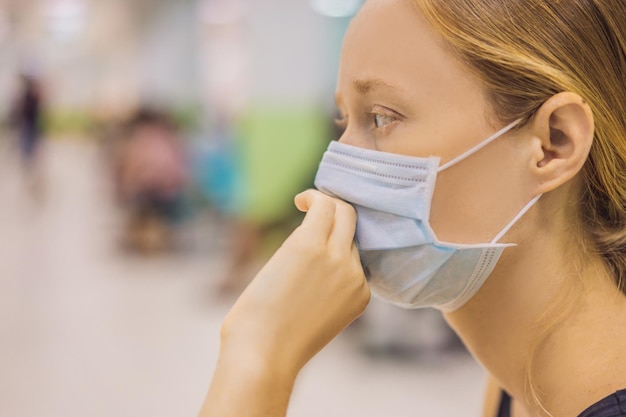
x=518 y=110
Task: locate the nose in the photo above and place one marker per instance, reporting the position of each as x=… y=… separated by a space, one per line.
x=352 y=138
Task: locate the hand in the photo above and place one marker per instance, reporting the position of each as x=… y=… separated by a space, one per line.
x=307 y=293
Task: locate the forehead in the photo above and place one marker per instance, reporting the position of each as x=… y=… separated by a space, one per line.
x=390 y=40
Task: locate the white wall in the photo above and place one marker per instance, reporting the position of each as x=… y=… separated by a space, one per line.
x=119 y=52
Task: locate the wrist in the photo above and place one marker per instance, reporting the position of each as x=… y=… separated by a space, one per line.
x=257 y=363
x=247 y=384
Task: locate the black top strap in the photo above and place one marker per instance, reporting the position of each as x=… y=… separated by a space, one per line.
x=612 y=406
x=504 y=410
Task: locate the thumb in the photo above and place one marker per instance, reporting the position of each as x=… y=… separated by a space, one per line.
x=305 y=199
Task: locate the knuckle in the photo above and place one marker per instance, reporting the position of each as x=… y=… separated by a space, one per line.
x=356 y=270
x=346 y=207
x=364 y=294
x=343 y=208
x=329 y=203
x=354 y=275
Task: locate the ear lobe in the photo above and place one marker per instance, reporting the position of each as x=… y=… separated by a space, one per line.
x=564 y=128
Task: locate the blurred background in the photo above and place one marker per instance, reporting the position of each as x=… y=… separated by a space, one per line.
x=150 y=151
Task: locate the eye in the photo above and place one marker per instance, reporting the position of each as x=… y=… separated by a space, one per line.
x=382 y=120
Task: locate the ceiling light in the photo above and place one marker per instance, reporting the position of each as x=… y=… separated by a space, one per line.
x=336 y=8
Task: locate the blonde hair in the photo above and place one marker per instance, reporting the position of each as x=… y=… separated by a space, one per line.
x=524 y=52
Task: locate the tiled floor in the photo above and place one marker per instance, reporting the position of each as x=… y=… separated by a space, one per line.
x=86 y=331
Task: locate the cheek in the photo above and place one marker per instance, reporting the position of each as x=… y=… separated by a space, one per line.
x=422 y=139
x=475 y=199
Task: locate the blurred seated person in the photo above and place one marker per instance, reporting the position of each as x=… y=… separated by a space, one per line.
x=151 y=175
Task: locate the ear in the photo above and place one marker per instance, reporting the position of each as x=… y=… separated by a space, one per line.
x=563 y=128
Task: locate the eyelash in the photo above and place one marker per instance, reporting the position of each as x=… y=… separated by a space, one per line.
x=377 y=127
x=342 y=122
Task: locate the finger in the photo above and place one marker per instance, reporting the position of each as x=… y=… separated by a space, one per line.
x=304 y=200
x=300 y=200
x=320 y=212
x=342 y=235
x=354 y=252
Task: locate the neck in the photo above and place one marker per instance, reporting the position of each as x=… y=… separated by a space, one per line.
x=544 y=319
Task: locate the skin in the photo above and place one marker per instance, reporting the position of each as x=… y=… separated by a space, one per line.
x=399 y=90
x=308 y=292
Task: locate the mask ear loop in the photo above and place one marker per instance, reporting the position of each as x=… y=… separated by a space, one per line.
x=515 y=219
x=476 y=149
x=479 y=146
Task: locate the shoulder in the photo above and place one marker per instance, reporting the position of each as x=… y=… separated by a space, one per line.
x=491 y=401
x=613 y=405
x=493 y=398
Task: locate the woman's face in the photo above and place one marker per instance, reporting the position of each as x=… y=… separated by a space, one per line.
x=400 y=90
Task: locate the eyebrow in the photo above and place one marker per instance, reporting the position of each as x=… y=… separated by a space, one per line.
x=365 y=86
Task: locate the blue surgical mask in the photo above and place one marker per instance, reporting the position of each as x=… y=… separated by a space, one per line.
x=404 y=261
